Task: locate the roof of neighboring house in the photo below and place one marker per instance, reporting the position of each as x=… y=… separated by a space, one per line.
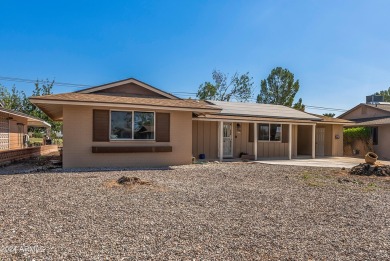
x=31 y=121
x=262 y=111
x=372 y=121
x=125 y=81
x=52 y=102
x=380 y=106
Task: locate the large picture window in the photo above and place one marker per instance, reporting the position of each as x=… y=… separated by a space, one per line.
x=127 y=125
x=269 y=132
x=263 y=131
x=143 y=125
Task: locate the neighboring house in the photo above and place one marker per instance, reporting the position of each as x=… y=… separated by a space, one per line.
x=13 y=126
x=377 y=117
x=130 y=123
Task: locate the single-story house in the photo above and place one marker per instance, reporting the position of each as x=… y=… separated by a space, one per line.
x=377 y=117
x=130 y=123
x=13 y=126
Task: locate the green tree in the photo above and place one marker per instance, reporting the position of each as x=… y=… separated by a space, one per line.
x=385 y=94
x=238 y=87
x=280 y=88
x=329 y=114
x=299 y=105
x=18 y=101
x=13 y=100
x=42 y=88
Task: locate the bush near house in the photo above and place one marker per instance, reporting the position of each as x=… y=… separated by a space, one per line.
x=357 y=141
x=358 y=133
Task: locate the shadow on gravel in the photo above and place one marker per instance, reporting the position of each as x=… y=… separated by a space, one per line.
x=17 y=169
x=32 y=165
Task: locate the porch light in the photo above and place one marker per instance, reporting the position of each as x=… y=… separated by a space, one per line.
x=238 y=128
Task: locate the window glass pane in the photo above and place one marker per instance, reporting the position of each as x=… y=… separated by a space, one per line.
x=121 y=125
x=276 y=132
x=143 y=125
x=263 y=131
x=375 y=135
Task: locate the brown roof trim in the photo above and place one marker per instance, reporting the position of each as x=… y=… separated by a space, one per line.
x=124 y=104
x=133 y=104
x=117 y=83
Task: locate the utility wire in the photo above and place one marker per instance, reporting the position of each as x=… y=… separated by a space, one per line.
x=11 y=79
x=76 y=85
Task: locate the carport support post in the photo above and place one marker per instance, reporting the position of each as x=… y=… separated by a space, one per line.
x=313 y=142
x=220 y=139
x=255 y=140
x=290 y=141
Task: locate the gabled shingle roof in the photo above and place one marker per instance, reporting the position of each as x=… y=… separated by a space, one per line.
x=108 y=99
x=125 y=81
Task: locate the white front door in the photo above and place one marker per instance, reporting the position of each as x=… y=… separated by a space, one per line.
x=320 y=141
x=228 y=140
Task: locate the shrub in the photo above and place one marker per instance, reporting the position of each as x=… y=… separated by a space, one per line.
x=358 y=133
x=37 y=135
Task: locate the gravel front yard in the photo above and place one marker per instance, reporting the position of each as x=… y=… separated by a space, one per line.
x=230 y=211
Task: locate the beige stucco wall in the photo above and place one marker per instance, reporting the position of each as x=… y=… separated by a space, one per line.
x=337 y=144
x=383 y=149
x=77 y=131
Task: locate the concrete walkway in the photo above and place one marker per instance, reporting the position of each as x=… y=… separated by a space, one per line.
x=327 y=162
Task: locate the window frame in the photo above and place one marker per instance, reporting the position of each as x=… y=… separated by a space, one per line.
x=375 y=135
x=132 y=126
x=269 y=132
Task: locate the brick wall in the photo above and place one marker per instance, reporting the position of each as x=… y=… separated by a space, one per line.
x=18 y=154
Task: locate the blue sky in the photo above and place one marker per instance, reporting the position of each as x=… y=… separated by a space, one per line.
x=339 y=50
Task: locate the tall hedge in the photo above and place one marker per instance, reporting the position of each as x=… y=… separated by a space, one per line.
x=358 y=133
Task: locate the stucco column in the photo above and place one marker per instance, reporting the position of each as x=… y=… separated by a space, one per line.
x=220 y=139
x=290 y=141
x=313 y=142
x=255 y=140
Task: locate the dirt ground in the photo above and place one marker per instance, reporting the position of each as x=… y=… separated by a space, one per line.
x=36 y=164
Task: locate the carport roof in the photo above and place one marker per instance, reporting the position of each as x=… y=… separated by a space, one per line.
x=31 y=121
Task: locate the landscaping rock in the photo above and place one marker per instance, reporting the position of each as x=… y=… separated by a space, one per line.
x=365 y=169
x=128 y=180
